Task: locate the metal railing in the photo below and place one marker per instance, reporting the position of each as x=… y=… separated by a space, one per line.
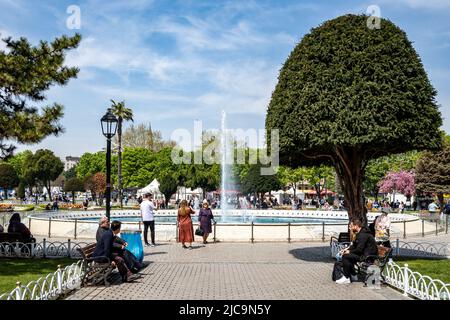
x=400 y=248
x=415 y=284
x=439 y=226
x=44 y=249
x=50 y=287
x=420 y=249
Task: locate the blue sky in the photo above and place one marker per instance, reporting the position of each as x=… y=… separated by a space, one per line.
x=177 y=61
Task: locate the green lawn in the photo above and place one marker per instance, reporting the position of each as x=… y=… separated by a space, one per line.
x=436 y=269
x=26 y=270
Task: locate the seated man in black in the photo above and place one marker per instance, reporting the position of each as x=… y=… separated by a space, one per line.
x=104 y=249
x=364 y=245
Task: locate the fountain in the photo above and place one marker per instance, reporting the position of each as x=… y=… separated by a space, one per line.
x=224 y=171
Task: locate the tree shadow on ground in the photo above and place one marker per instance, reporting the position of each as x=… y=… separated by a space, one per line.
x=313 y=254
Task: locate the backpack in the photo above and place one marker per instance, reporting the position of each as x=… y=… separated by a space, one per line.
x=338 y=271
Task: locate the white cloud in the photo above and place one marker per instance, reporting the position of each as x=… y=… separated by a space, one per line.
x=209 y=34
x=419 y=4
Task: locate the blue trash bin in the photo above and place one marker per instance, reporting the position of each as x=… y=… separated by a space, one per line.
x=133 y=238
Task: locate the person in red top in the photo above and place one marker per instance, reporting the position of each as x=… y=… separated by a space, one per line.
x=185 y=228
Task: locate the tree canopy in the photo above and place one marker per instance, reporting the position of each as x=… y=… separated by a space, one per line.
x=433 y=173
x=26 y=72
x=43 y=167
x=72 y=185
x=402 y=182
x=378 y=168
x=143 y=136
x=254 y=181
x=348 y=94
x=8 y=177
x=168 y=186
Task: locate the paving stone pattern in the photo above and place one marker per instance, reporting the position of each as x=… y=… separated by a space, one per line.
x=233 y=271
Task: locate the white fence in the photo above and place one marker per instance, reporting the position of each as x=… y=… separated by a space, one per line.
x=415 y=284
x=410 y=282
x=405 y=249
x=53 y=286
x=44 y=249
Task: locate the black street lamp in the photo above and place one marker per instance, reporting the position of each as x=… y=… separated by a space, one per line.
x=109 y=126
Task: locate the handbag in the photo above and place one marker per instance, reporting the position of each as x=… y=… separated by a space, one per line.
x=199 y=232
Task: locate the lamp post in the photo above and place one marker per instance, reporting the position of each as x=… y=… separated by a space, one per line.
x=109 y=126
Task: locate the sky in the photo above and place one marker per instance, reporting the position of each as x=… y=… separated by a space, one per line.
x=177 y=62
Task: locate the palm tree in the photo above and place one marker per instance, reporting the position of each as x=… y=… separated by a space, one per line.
x=123 y=114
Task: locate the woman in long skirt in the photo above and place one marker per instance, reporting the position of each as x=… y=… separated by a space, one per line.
x=204 y=220
x=185 y=228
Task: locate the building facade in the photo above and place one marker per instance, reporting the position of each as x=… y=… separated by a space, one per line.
x=70 y=162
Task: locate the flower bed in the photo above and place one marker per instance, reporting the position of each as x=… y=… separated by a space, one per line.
x=6 y=207
x=70 y=206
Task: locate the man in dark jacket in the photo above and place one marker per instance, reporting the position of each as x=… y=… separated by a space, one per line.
x=104 y=251
x=364 y=245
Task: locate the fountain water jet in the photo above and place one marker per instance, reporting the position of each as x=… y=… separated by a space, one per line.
x=224 y=171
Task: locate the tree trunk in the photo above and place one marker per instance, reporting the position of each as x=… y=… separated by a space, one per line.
x=440 y=197
x=5 y=190
x=119 y=161
x=73 y=197
x=294 y=185
x=49 y=192
x=350 y=169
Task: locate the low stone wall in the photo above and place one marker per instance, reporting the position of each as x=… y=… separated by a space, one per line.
x=73 y=225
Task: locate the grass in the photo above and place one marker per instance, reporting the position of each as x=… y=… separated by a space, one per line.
x=26 y=270
x=436 y=269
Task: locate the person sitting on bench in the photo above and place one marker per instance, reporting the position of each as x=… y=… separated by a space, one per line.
x=119 y=246
x=364 y=245
x=104 y=250
x=16 y=226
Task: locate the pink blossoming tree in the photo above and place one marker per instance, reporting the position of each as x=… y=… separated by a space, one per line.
x=402 y=182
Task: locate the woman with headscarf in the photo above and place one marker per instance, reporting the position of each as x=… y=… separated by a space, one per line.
x=16 y=226
x=204 y=220
x=185 y=228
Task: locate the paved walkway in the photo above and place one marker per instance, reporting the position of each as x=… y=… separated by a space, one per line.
x=233 y=271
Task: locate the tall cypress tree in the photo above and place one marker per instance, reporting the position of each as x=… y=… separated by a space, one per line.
x=348 y=94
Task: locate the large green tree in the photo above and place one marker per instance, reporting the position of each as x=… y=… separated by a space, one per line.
x=143 y=136
x=123 y=114
x=254 y=182
x=291 y=178
x=320 y=177
x=433 y=173
x=135 y=167
x=91 y=163
x=73 y=185
x=348 y=94
x=43 y=167
x=26 y=72
x=8 y=177
x=168 y=185
x=205 y=176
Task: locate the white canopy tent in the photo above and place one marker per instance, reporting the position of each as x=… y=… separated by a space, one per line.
x=153 y=188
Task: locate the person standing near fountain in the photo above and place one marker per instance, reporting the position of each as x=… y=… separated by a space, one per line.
x=185 y=228
x=204 y=220
x=147 y=209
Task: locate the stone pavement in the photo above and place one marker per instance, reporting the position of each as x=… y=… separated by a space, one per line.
x=233 y=271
